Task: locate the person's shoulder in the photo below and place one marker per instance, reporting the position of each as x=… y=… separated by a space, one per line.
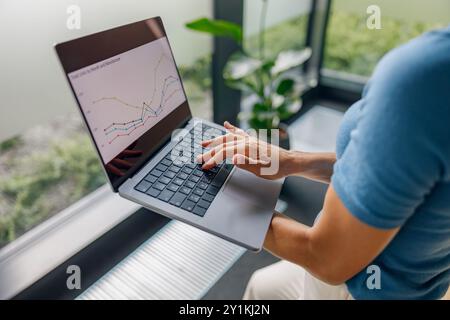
x=409 y=90
x=419 y=62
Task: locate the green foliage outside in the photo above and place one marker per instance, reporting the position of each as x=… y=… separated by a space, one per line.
x=197 y=79
x=10 y=144
x=53 y=179
x=288 y=35
x=353 y=48
x=70 y=169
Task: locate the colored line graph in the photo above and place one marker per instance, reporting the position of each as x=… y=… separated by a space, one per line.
x=122 y=101
x=131 y=126
x=147 y=109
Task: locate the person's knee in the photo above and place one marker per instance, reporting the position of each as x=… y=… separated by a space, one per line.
x=258 y=287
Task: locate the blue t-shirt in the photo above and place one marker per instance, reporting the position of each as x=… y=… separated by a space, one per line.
x=393 y=168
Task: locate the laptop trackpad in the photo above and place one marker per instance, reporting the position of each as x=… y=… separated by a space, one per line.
x=245 y=186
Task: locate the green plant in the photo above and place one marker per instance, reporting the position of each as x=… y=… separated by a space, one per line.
x=277 y=91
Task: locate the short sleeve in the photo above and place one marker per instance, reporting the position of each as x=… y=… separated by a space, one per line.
x=397 y=152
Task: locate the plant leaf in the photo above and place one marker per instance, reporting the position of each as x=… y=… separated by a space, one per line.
x=255 y=123
x=277 y=100
x=268 y=65
x=285 y=86
x=260 y=107
x=288 y=109
x=290 y=59
x=243 y=85
x=240 y=66
x=219 y=28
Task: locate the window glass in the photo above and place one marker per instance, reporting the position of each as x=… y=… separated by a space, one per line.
x=286 y=23
x=271 y=27
x=353 y=47
x=47 y=161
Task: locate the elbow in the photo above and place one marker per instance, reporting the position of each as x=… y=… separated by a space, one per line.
x=328 y=266
x=329 y=272
x=332 y=277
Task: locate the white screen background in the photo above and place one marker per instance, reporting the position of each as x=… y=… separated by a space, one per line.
x=124 y=96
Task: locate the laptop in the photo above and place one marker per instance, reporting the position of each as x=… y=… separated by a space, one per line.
x=131 y=97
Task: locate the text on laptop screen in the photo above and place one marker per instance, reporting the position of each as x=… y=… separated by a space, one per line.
x=124 y=96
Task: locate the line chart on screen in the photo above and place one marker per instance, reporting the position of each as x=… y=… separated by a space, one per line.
x=126 y=95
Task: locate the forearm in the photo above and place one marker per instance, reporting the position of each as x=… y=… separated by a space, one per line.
x=291 y=241
x=287 y=239
x=314 y=166
x=337 y=247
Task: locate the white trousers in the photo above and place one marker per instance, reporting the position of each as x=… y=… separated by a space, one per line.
x=287 y=281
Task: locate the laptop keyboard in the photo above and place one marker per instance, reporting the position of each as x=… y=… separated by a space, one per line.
x=177 y=179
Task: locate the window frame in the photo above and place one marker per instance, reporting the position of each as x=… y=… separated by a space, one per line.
x=226 y=101
x=341 y=87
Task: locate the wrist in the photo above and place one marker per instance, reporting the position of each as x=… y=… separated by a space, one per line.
x=314 y=166
x=295 y=163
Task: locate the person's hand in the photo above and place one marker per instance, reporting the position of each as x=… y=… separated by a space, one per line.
x=249 y=153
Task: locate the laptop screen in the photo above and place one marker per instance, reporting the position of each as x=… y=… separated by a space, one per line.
x=129 y=91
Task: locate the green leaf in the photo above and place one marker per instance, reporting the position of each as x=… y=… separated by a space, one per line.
x=285 y=86
x=243 y=85
x=268 y=65
x=267 y=116
x=257 y=123
x=275 y=100
x=240 y=66
x=260 y=107
x=219 y=28
x=290 y=59
x=288 y=109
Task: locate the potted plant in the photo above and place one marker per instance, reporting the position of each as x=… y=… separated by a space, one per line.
x=271 y=86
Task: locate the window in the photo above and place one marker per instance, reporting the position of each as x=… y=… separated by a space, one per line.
x=47 y=161
x=285 y=28
x=286 y=25
x=353 y=48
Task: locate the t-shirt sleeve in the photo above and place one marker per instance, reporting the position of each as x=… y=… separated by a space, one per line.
x=395 y=154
